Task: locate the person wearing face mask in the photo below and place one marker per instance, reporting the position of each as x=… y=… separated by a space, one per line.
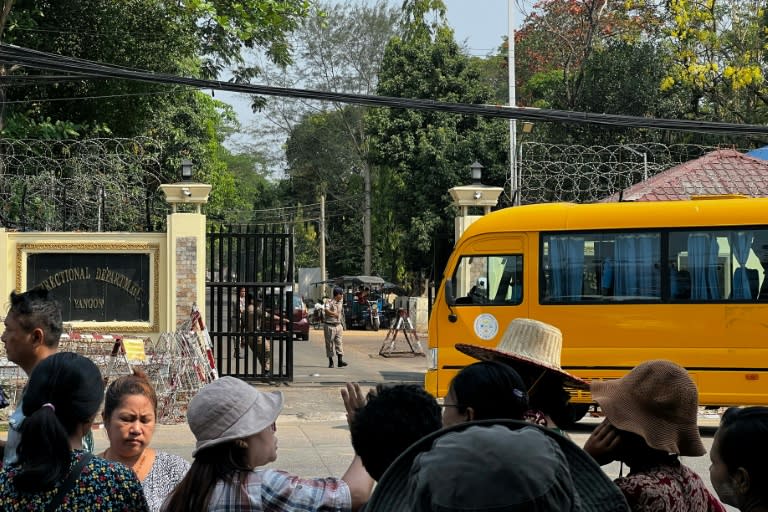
x=738 y=471
x=235 y=428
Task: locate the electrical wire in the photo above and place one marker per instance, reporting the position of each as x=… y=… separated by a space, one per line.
x=10 y=54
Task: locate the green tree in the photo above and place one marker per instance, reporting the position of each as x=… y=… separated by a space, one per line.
x=427 y=153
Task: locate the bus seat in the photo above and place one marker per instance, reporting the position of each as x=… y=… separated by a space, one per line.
x=680 y=284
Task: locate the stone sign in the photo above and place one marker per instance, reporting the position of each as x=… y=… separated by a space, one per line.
x=95 y=287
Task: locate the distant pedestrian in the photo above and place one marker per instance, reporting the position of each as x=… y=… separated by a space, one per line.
x=739 y=455
x=650 y=422
x=392 y=419
x=235 y=428
x=334 y=328
x=53 y=472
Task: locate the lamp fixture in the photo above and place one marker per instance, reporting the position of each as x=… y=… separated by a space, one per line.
x=186 y=170
x=477 y=195
x=477 y=173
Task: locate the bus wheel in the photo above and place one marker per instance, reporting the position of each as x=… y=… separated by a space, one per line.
x=577 y=412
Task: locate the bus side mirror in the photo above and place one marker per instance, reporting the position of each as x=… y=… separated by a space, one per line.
x=449 y=298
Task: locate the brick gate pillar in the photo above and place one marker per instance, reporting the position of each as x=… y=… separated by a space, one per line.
x=185 y=272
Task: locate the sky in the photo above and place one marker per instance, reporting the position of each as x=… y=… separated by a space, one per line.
x=479 y=25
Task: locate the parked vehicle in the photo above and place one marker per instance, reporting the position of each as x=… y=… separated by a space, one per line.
x=361 y=311
x=275 y=316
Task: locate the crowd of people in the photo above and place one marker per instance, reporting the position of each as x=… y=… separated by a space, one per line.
x=495 y=443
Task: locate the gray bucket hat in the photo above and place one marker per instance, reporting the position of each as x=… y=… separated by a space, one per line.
x=499 y=465
x=229 y=409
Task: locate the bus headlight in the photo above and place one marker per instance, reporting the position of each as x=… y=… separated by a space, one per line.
x=432 y=359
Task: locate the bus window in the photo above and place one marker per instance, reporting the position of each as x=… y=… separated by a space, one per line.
x=489 y=280
x=588 y=267
x=716 y=265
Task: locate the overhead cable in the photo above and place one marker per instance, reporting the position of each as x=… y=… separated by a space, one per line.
x=41 y=60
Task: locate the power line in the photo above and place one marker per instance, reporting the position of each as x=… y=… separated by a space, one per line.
x=41 y=60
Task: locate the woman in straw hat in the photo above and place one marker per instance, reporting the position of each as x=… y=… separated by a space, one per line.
x=533 y=349
x=738 y=471
x=650 y=421
x=234 y=425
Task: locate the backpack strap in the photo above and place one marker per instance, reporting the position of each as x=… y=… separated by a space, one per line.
x=69 y=483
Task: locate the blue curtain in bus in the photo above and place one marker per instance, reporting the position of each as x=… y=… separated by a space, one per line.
x=702 y=264
x=741 y=243
x=636 y=261
x=566 y=256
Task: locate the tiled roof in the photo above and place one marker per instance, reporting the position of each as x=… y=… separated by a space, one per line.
x=723 y=171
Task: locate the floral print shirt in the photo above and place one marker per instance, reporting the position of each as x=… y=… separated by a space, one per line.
x=667 y=488
x=102 y=486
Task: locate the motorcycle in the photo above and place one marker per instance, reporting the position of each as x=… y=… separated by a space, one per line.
x=374 y=322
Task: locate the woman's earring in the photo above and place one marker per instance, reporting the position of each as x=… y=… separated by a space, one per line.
x=241 y=444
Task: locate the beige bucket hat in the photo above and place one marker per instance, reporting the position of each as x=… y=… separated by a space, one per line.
x=657 y=400
x=527 y=342
x=229 y=409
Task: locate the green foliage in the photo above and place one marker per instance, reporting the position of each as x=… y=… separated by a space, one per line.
x=427 y=153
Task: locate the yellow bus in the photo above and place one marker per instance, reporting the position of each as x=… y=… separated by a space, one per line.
x=625 y=282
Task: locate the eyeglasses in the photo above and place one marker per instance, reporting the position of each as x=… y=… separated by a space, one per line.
x=274 y=427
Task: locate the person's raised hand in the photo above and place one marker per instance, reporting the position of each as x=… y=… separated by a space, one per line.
x=353 y=398
x=604 y=443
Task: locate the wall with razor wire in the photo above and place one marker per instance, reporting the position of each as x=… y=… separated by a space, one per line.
x=586 y=174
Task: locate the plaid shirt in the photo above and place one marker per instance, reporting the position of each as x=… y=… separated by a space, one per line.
x=270 y=490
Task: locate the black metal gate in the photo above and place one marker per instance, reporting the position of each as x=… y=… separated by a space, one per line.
x=249 y=294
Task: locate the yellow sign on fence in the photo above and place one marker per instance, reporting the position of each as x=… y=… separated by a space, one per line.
x=134 y=349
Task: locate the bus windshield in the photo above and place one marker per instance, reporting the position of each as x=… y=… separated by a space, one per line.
x=496 y=279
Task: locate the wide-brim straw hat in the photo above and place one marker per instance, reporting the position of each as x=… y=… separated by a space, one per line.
x=593 y=490
x=530 y=343
x=657 y=400
x=229 y=409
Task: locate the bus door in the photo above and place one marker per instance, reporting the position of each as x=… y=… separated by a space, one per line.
x=485 y=289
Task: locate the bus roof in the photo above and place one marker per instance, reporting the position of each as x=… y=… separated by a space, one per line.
x=642 y=214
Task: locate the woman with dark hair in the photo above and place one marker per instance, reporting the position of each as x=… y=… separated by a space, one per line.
x=235 y=428
x=483 y=391
x=130 y=416
x=738 y=472
x=53 y=472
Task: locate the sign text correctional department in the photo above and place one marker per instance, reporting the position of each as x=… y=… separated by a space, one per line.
x=94 y=287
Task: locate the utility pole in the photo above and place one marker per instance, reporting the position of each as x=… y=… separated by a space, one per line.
x=322 y=241
x=514 y=192
x=367 y=221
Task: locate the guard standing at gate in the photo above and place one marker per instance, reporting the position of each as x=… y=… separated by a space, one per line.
x=334 y=327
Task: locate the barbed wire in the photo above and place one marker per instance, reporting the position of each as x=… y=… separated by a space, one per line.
x=584 y=174
x=101 y=184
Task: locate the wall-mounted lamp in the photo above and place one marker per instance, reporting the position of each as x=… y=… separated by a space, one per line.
x=186 y=170
x=527 y=127
x=477 y=195
x=186 y=192
x=477 y=172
